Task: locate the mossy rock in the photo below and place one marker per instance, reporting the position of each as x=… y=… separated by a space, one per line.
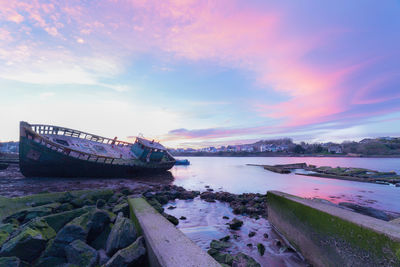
x=27 y=245
x=100 y=241
x=58 y=220
x=261 y=249
x=25 y=215
x=5 y=231
x=97 y=223
x=81 y=254
x=64 y=207
x=122 y=234
x=242 y=259
x=235 y=224
x=122 y=207
x=83 y=220
x=219 y=245
x=50 y=262
x=10 y=262
x=68 y=234
x=133 y=255
x=171 y=218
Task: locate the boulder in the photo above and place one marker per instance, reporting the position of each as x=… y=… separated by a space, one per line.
x=58 y=220
x=122 y=207
x=10 y=262
x=251 y=234
x=27 y=245
x=26 y=215
x=64 y=207
x=81 y=254
x=100 y=241
x=219 y=245
x=243 y=260
x=171 y=218
x=133 y=255
x=5 y=232
x=103 y=258
x=100 y=203
x=68 y=234
x=222 y=258
x=97 y=223
x=122 y=234
x=50 y=262
x=235 y=224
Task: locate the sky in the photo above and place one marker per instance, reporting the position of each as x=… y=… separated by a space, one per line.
x=199 y=73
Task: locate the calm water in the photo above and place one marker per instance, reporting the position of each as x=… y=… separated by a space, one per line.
x=232 y=175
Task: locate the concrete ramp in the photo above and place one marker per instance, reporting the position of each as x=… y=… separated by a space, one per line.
x=166 y=245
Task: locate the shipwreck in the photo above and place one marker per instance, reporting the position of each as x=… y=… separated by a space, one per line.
x=53 y=151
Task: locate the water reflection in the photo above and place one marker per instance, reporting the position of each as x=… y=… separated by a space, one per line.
x=232 y=175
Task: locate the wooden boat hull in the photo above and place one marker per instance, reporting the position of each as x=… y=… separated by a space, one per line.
x=37 y=159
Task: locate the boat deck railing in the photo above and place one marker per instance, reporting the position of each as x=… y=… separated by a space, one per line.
x=62 y=131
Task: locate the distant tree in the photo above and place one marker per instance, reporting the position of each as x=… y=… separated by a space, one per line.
x=298 y=149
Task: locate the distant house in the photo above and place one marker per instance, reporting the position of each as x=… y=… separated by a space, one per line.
x=335 y=149
x=231 y=149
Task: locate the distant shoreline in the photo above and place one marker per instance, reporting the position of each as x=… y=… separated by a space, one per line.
x=271 y=155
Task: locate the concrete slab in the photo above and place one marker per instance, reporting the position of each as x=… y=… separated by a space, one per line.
x=330 y=236
x=167 y=246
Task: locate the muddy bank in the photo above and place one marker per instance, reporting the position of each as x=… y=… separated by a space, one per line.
x=14 y=184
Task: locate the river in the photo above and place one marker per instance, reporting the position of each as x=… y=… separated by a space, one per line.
x=231 y=174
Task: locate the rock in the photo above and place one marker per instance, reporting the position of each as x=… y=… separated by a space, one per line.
x=210 y=189
x=123 y=207
x=83 y=220
x=225 y=217
x=100 y=241
x=171 y=207
x=251 y=234
x=122 y=234
x=265 y=235
x=182 y=218
x=64 y=207
x=249 y=245
x=99 y=220
x=162 y=199
x=78 y=202
x=219 y=245
x=235 y=224
x=81 y=254
x=222 y=258
x=103 y=258
x=50 y=262
x=261 y=249
x=113 y=199
x=5 y=232
x=171 y=218
x=366 y=210
x=100 y=203
x=126 y=191
x=65 y=236
x=58 y=220
x=243 y=260
x=26 y=215
x=10 y=262
x=277 y=243
x=133 y=255
x=397 y=185
x=27 y=245
x=225 y=238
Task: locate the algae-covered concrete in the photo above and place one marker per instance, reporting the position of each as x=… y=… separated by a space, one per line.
x=331 y=236
x=166 y=245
